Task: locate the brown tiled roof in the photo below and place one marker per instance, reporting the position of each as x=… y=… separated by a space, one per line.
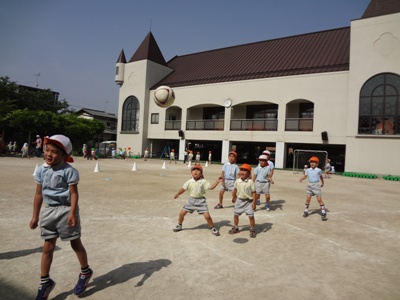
x=378 y=8
x=325 y=51
x=149 y=49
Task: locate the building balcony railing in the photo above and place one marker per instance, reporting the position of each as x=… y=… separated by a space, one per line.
x=291 y=124
x=299 y=124
x=173 y=125
x=205 y=124
x=255 y=124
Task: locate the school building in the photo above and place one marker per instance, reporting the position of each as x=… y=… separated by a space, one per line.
x=335 y=90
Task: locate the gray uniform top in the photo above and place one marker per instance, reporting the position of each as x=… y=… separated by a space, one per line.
x=55 y=183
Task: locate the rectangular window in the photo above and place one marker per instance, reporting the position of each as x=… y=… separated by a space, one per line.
x=266 y=111
x=154 y=118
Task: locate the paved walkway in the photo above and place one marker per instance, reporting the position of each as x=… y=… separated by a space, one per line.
x=127 y=220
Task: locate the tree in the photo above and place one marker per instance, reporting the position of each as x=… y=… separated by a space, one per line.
x=26 y=111
x=29 y=122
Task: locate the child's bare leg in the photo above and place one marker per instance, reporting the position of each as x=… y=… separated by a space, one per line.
x=267 y=198
x=319 y=199
x=252 y=221
x=209 y=219
x=181 y=217
x=221 y=196
x=307 y=205
x=47 y=256
x=80 y=252
x=321 y=204
x=236 y=220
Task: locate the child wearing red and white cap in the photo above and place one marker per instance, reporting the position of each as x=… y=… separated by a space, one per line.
x=197 y=187
x=244 y=197
x=263 y=178
x=314 y=175
x=57 y=185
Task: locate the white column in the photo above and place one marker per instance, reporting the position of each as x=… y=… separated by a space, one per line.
x=279 y=154
x=182 y=146
x=225 y=151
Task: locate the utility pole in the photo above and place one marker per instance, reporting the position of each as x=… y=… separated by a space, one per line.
x=37 y=79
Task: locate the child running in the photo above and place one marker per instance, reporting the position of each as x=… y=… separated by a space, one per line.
x=57 y=183
x=196 y=186
x=314 y=175
x=244 y=197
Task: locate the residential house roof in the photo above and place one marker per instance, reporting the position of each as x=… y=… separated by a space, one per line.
x=97 y=113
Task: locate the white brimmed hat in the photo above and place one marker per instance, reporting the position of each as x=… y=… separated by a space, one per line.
x=61 y=141
x=266 y=152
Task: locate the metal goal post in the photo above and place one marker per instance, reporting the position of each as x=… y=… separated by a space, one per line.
x=301 y=157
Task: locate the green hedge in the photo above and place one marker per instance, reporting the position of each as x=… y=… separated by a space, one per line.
x=360 y=175
x=390 y=177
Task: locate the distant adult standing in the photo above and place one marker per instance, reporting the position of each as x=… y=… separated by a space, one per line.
x=38 y=148
x=85 y=151
x=25 y=151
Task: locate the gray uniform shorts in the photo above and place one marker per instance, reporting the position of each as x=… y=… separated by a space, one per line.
x=196 y=204
x=243 y=206
x=229 y=185
x=54 y=223
x=314 y=189
x=262 y=187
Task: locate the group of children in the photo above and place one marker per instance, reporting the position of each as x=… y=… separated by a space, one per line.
x=56 y=186
x=246 y=190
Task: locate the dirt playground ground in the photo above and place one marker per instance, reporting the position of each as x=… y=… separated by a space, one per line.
x=127 y=220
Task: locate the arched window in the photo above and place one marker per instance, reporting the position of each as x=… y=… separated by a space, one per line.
x=130 y=115
x=380 y=105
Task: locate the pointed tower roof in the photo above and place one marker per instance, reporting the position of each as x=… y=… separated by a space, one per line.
x=121 y=57
x=378 y=8
x=149 y=49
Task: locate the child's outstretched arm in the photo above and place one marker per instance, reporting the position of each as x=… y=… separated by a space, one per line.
x=214 y=185
x=37 y=204
x=181 y=191
x=322 y=181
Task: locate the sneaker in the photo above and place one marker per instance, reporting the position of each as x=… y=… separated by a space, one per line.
x=218 y=206
x=253 y=233
x=305 y=214
x=215 y=231
x=177 y=228
x=83 y=282
x=258 y=202
x=267 y=207
x=234 y=230
x=324 y=217
x=45 y=289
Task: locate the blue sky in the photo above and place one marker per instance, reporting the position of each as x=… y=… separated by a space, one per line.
x=74 y=44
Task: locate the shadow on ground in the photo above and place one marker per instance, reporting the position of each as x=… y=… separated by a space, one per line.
x=121 y=275
x=20 y=253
